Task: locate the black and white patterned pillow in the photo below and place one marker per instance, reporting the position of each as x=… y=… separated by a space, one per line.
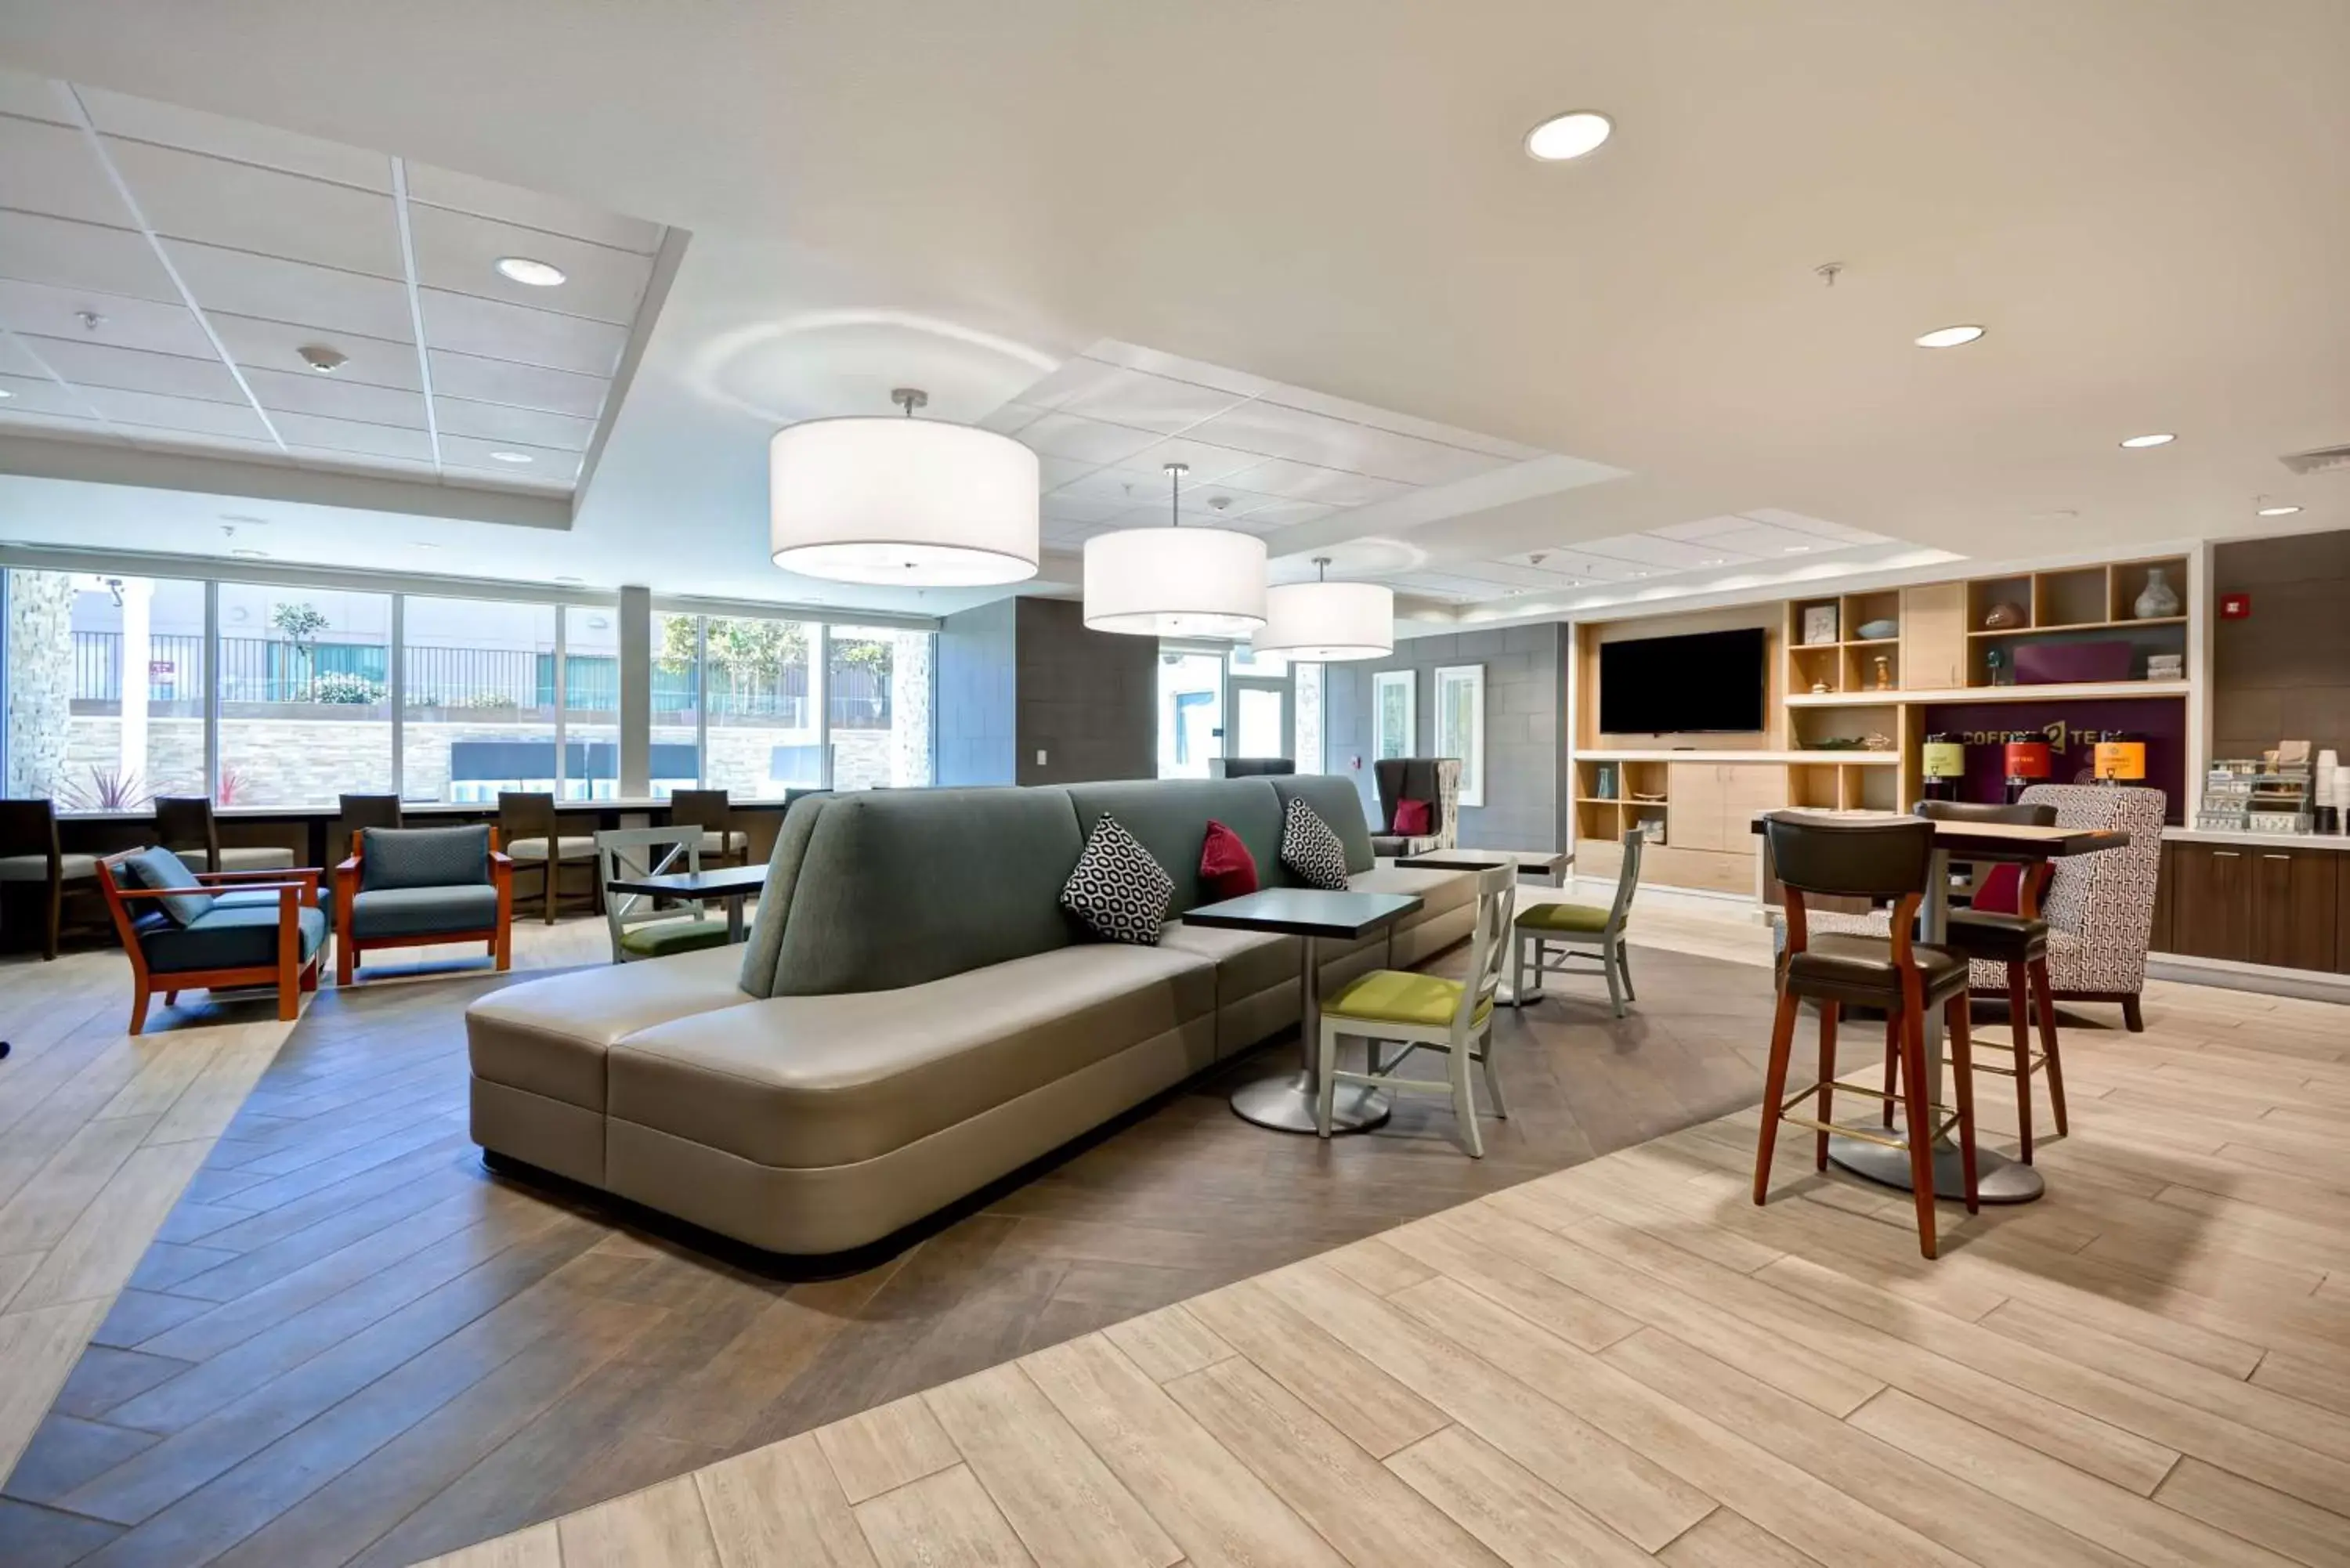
x=1310 y=848
x=1117 y=889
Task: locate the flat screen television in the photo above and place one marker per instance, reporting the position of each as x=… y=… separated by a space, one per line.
x=1708 y=681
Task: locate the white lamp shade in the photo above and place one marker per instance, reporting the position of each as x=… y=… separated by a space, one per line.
x=1175 y=582
x=1328 y=622
x=876 y=499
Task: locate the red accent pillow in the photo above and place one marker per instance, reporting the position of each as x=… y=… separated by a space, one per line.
x=2003 y=889
x=1227 y=869
x=1414 y=817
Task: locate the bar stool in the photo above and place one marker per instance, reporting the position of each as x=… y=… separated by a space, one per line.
x=530 y=832
x=185 y=826
x=1874 y=859
x=30 y=857
x=2018 y=942
x=360 y=812
x=707 y=809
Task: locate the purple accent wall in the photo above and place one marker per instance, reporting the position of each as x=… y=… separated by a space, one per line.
x=2072 y=730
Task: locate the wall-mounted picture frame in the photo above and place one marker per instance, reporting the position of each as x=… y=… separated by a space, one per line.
x=1395 y=712
x=1461 y=725
x=1819 y=625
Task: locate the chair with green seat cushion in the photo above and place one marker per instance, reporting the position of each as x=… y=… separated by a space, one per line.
x=1428 y=1012
x=640 y=926
x=1549 y=937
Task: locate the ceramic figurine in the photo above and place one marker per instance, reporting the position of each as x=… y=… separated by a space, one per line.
x=1883 y=679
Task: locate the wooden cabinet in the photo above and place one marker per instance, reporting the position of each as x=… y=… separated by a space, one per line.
x=2258 y=905
x=1693 y=808
x=1708 y=843
x=1934 y=635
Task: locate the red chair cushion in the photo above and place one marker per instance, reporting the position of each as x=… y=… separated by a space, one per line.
x=1414 y=817
x=1227 y=869
x=2002 y=889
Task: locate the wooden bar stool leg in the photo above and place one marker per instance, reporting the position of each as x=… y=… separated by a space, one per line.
x=1919 y=1115
x=1774 y=1090
x=1892 y=1066
x=2046 y=1003
x=1958 y=1028
x=1829 y=1011
x=2020 y=1028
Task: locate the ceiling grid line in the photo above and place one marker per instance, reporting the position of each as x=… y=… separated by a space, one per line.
x=96 y=145
x=416 y=308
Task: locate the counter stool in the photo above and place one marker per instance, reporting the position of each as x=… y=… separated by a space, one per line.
x=1873 y=859
x=185 y=826
x=30 y=857
x=531 y=832
x=722 y=843
x=2019 y=942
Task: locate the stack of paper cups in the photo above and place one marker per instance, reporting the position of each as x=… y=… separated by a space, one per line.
x=2327 y=780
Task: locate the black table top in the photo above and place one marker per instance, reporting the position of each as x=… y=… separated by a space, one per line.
x=1485 y=859
x=720 y=882
x=1305 y=912
x=1995 y=840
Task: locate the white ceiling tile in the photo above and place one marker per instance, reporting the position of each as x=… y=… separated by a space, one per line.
x=1307 y=481
x=39 y=249
x=525 y=426
x=1117 y=487
x=1066 y=380
x=1279 y=431
x=1288 y=513
x=211 y=444
x=1146 y=401
x=1577 y=567
x=1648 y=550
x=531 y=209
x=258 y=345
x=192 y=414
x=34 y=98
x=23 y=422
x=1009 y=419
x=509 y=480
x=187 y=196
x=39 y=395
x=1209 y=463
x=49 y=168
x=518 y=386
x=1761 y=541
x=1819 y=525
x=353 y=435
x=1199 y=372
x=45 y=311
x=275 y=289
x=497 y=330
x=1051 y=472
x=1076 y=509
x=1703 y=528
x=459 y=251
x=90 y=365
x=546 y=463
x=1085 y=441
x=1400 y=423
x=338 y=462
x=16 y=361
x=309 y=393
x=143 y=120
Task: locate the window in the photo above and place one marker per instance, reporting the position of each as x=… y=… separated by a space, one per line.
x=1191 y=712
x=479 y=710
x=105 y=688
x=878 y=689
x=1308 y=752
x=1395 y=707
x=305 y=681
x=763 y=735
x=1461 y=725
x=677 y=703
x=591 y=702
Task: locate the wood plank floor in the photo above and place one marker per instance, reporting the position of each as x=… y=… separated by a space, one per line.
x=1627 y=1361
x=347 y=1343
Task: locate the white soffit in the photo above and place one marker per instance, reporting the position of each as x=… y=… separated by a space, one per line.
x=162 y=268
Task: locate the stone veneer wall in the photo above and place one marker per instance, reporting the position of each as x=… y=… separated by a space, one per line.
x=40 y=680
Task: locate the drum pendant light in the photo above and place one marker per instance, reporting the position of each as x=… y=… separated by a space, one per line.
x=1325 y=622
x=876 y=498
x=1175 y=581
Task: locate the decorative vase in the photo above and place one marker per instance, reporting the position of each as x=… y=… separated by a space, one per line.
x=2159 y=599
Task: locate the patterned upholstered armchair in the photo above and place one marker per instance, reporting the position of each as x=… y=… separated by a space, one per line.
x=2099 y=907
x=1434 y=780
x=408 y=887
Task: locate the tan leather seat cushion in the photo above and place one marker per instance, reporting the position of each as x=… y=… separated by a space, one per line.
x=811 y=1081
x=549 y=1036
x=1246 y=961
x=566 y=848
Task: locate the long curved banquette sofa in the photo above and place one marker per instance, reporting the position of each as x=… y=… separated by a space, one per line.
x=914 y=1015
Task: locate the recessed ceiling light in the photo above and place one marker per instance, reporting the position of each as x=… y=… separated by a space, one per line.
x=1949 y=336
x=536 y=274
x=4 y=392
x=572 y=580
x=251 y=555
x=321 y=359
x=424 y=544
x=2159 y=437
x=2278 y=510
x=1566 y=136
x=1798 y=549
x=509 y=457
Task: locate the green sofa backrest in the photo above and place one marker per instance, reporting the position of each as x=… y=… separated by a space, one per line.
x=893 y=888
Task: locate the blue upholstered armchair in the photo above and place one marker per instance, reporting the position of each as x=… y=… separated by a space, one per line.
x=409 y=887
x=212 y=930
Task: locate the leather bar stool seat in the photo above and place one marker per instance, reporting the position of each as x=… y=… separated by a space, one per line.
x=1860 y=971
x=2001 y=938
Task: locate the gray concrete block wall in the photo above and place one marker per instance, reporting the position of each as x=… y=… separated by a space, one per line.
x=1087 y=700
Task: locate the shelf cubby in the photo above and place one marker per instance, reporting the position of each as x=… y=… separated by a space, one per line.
x=1860 y=666
x=2076 y=597
x=1987 y=594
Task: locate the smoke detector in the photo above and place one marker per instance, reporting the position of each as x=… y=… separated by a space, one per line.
x=2325 y=460
x=321 y=359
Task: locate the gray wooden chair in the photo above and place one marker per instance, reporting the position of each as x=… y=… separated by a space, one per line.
x=1549 y=937
x=640 y=926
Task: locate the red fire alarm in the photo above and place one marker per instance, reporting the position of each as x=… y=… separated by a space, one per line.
x=2235 y=607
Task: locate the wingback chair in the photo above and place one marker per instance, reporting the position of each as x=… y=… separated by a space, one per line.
x=212 y=930
x=1434 y=780
x=412 y=887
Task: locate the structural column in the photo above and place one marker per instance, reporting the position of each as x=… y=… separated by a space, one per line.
x=636 y=692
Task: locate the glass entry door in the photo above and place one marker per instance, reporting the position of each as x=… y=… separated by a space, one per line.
x=1191 y=710
x=1257 y=696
